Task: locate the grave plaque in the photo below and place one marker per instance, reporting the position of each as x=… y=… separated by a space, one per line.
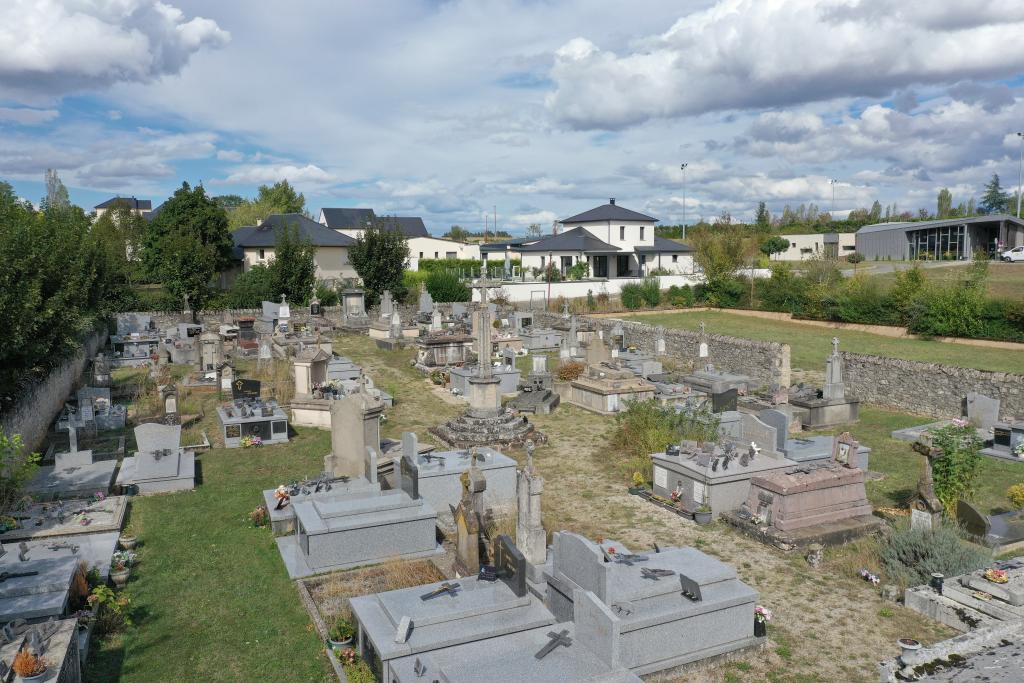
x=245 y=388
x=919 y=519
x=723 y=401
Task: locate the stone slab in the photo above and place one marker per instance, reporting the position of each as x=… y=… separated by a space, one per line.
x=69 y=482
x=298 y=568
x=35 y=597
x=183 y=480
x=93 y=549
x=40 y=520
x=283 y=521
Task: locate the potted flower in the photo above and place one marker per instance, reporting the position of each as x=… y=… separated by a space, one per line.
x=251 y=441
x=347 y=656
x=7 y=523
x=29 y=666
x=703 y=514
x=1018 y=450
x=128 y=539
x=762 y=615
x=341 y=634
x=120 y=567
x=638 y=483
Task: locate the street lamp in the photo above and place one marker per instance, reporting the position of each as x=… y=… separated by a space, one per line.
x=1020 y=162
x=833 y=182
x=682 y=167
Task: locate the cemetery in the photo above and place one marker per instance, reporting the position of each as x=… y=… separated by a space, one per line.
x=485 y=551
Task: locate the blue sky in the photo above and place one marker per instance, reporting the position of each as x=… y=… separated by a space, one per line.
x=542 y=109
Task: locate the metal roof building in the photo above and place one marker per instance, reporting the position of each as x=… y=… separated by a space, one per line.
x=948 y=238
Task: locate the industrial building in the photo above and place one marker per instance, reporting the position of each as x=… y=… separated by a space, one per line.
x=946 y=239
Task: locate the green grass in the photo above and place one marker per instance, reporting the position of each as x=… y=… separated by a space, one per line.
x=810 y=345
x=1005 y=280
x=212 y=599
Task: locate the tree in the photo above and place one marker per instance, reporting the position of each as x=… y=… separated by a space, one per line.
x=56 y=193
x=457 y=233
x=253 y=287
x=282 y=197
x=445 y=287
x=16 y=469
x=774 y=245
x=293 y=268
x=230 y=201
x=875 y=215
x=187 y=244
x=720 y=253
x=379 y=256
x=944 y=204
x=762 y=219
x=533 y=230
x=994 y=199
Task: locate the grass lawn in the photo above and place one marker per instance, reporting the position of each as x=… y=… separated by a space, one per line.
x=1005 y=280
x=811 y=345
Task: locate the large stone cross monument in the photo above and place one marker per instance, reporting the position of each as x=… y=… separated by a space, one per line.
x=484 y=389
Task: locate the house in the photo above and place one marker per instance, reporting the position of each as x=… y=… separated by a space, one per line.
x=422 y=245
x=140 y=206
x=946 y=239
x=833 y=245
x=612 y=240
x=256 y=245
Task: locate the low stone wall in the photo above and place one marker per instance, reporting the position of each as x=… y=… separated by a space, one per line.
x=766 y=362
x=299 y=314
x=36 y=409
x=927 y=388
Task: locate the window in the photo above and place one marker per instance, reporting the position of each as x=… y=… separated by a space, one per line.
x=792 y=245
x=622 y=232
x=421 y=254
x=435 y=254
x=262 y=256
x=542 y=262
x=641 y=233
x=450 y=255
x=675 y=258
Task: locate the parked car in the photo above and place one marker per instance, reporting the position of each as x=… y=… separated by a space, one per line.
x=1015 y=254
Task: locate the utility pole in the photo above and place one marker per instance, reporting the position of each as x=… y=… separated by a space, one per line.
x=833 y=182
x=682 y=167
x=1020 y=163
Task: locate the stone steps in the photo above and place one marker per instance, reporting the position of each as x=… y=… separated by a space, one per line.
x=945 y=610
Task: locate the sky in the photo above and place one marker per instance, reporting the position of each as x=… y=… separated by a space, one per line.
x=535 y=109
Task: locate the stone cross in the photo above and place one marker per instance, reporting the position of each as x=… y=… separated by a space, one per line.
x=834 y=388
x=565 y=309
x=560 y=638
x=484 y=337
x=703 y=329
x=925 y=507
x=531 y=538
x=835 y=346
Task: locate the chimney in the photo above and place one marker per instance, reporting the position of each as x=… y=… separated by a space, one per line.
x=612 y=201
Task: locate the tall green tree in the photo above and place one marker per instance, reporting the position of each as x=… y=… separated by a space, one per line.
x=762 y=219
x=293 y=269
x=944 y=204
x=875 y=215
x=56 y=193
x=187 y=244
x=282 y=197
x=379 y=256
x=994 y=199
x=457 y=233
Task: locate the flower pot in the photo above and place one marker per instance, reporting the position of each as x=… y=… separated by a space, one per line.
x=909 y=651
x=635 y=490
x=34 y=679
x=702 y=517
x=119 y=577
x=128 y=542
x=760 y=628
x=338 y=644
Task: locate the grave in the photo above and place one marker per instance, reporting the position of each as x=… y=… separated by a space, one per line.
x=309 y=407
x=605 y=388
x=443 y=348
x=160 y=465
x=537 y=395
x=711 y=381
x=926 y=509
x=796 y=507
x=94 y=549
x=252 y=417
x=274 y=318
x=462 y=379
x=34 y=589
x=531 y=539
x=974 y=407
x=105 y=413
x=1003 y=532
x=101 y=369
x=340 y=368
x=715 y=475
x=353 y=310
x=1006 y=438
x=64 y=519
x=58 y=642
x=831 y=407
x=541 y=339
x=211 y=351
x=74 y=472
x=435 y=477
x=135 y=342
x=970 y=601
x=806 y=450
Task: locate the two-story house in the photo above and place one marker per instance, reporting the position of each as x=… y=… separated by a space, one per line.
x=143 y=207
x=422 y=245
x=614 y=241
x=255 y=245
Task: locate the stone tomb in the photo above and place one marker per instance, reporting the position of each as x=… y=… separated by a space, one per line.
x=537 y=395
x=353 y=310
x=35 y=589
x=830 y=407
x=435 y=477
x=971 y=601
x=712 y=381
x=54 y=521
x=96 y=402
x=714 y=475
x=160 y=465
x=807 y=450
x=73 y=473
x=442 y=349
x=541 y=339
x=1003 y=532
x=94 y=549
x=605 y=388
x=668 y=608
x=1006 y=436
x=60 y=643
x=252 y=417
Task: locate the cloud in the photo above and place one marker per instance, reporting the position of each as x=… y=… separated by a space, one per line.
x=230 y=155
x=307 y=176
x=115 y=114
x=26 y=116
x=54 y=47
x=749 y=54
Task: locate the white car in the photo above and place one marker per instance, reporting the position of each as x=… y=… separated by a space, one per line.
x=1015 y=254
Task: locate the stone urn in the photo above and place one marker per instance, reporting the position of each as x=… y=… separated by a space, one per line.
x=128 y=541
x=702 y=517
x=119 y=576
x=908 y=651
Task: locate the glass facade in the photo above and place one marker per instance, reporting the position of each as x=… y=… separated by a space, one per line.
x=945 y=243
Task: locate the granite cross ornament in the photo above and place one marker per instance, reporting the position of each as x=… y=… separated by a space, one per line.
x=23 y=551
x=15 y=575
x=560 y=638
x=449 y=588
x=655 y=574
x=419 y=669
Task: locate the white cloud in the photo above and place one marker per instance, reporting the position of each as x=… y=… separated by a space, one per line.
x=230 y=155
x=53 y=47
x=543 y=218
x=26 y=116
x=308 y=176
x=743 y=54
x=115 y=114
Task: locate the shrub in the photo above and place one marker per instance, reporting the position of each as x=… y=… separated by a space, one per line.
x=327 y=295
x=113 y=610
x=632 y=296
x=445 y=287
x=16 y=468
x=359 y=672
x=251 y=288
x=725 y=293
x=855 y=258
x=956 y=473
x=911 y=556
x=644 y=427
x=784 y=291
x=650 y=290
x=591 y=303
x=680 y=297
x=1016 y=496
x=570 y=371
x=859 y=299
x=579 y=271
x=947 y=310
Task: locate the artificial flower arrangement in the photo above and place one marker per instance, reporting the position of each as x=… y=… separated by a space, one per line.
x=347 y=656
x=28 y=664
x=868 y=576
x=258 y=517
x=762 y=614
x=251 y=441
x=997 y=575
x=123 y=559
x=282 y=496
x=8 y=523
x=1018 y=450
x=638 y=479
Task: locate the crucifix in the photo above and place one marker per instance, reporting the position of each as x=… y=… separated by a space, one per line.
x=560 y=638
x=655 y=574
x=15 y=575
x=449 y=588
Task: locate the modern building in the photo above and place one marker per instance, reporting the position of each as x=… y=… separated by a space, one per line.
x=257 y=244
x=614 y=241
x=834 y=245
x=140 y=206
x=946 y=239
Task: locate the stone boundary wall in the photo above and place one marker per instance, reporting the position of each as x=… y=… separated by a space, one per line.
x=927 y=388
x=766 y=362
x=299 y=314
x=35 y=410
